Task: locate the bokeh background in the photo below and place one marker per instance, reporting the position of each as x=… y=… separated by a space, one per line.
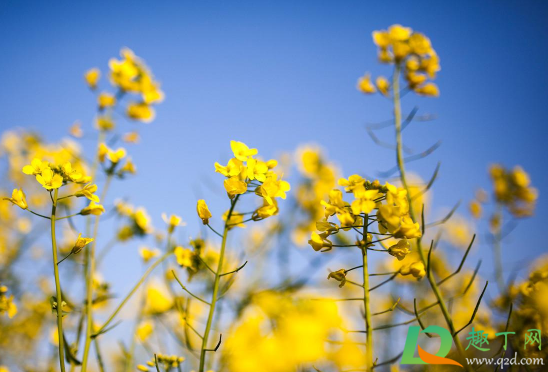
x=279 y=74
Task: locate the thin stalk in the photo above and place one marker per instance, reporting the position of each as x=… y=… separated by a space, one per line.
x=89 y=282
x=126 y=299
x=497 y=250
x=216 y=286
x=366 y=302
x=57 y=285
x=130 y=357
x=401 y=167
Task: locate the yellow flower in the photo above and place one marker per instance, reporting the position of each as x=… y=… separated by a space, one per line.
x=36 y=167
x=203 y=211
x=346 y=219
x=267 y=210
x=18 y=198
x=234 y=168
x=89 y=192
x=408 y=229
x=71 y=174
x=352 y=182
x=105 y=123
x=49 y=179
x=157 y=301
x=381 y=39
x=256 y=170
x=273 y=188
x=93 y=208
x=116 y=155
x=102 y=151
x=365 y=85
x=320 y=241
x=339 y=275
x=144 y=330
x=184 y=256
x=76 y=130
x=236 y=219
x=92 y=77
x=428 y=89
x=420 y=44
x=414 y=79
x=400 y=249
x=173 y=221
x=148 y=254
x=365 y=201
x=234 y=186
x=401 y=50
x=431 y=65
x=80 y=244
x=106 y=100
x=142 y=220
x=131 y=137
x=142 y=368
x=335 y=204
x=140 y=111
x=383 y=85
x=399 y=33
x=416 y=269
x=128 y=167
x=241 y=151
x=385 y=56
x=6 y=303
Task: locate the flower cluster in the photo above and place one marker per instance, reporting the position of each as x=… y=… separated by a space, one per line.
x=412 y=53
x=392 y=214
x=6 y=303
x=246 y=174
x=129 y=75
x=513 y=189
x=168 y=362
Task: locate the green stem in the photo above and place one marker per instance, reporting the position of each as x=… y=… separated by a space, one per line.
x=366 y=301
x=216 y=286
x=497 y=250
x=57 y=285
x=89 y=282
x=401 y=167
x=130 y=357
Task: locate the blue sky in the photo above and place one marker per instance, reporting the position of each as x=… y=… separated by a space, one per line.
x=276 y=74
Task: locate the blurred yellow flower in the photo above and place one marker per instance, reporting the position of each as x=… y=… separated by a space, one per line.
x=365 y=85
x=93 y=208
x=140 y=111
x=172 y=222
x=383 y=85
x=105 y=100
x=92 y=77
x=184 y=256
x=148 y=254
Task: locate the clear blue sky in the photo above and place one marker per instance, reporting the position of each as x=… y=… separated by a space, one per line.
x=276 y=74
